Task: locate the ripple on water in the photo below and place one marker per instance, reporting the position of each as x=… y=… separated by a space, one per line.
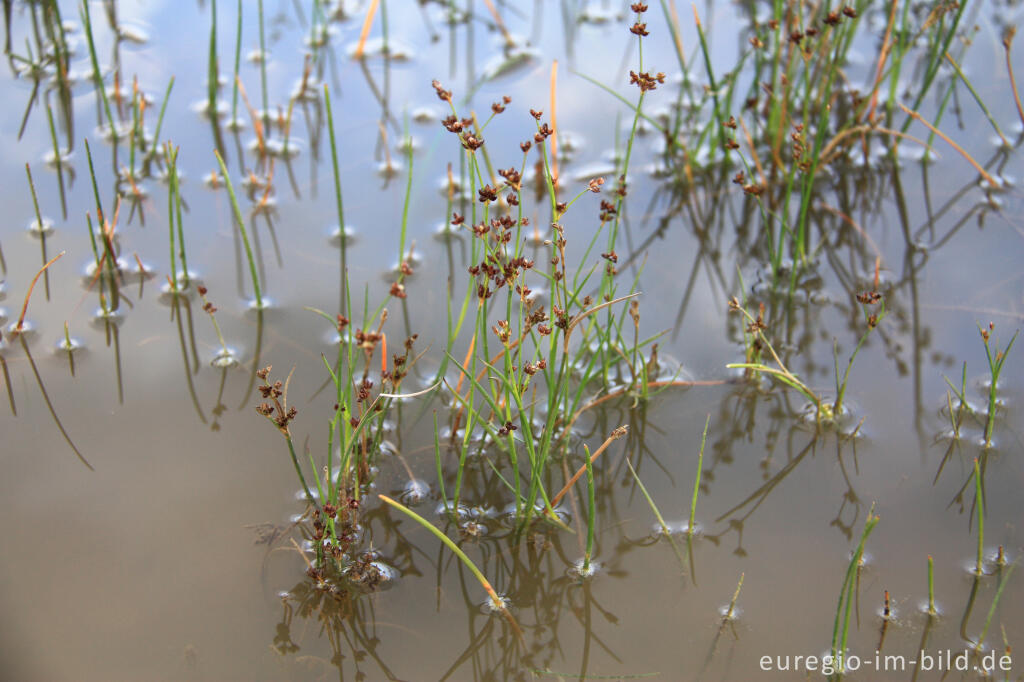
x=220 y=108
x=676 y=528
x=69 y=345
x=490 y=606
x=582 y=570
x=89 y=275
x=130 y=32
x=102 y=318
x=377 y=48
x=37 y=229
x=426 y=115
x=415 y=492
x=730 y=612
x=186 y=287
x=26 y=330
x=389 y=168
x=595 y=15
x=447 y=233
x=225 y=359
x=515 y=61
x=264 y=304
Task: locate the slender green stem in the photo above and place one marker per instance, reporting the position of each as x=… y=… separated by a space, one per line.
x=696 y=481
x=841 y=628
x=40 y=227
x=212 y=67
x=591 y=518
x=96 y=75
x=263 y=70
x=241 y=228
x=298 y=470
x=238 y=59
x=992 y=608
x=931 y=587
x=979 y=566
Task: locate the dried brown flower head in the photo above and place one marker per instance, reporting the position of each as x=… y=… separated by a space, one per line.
x=444 y=95
x=645 y=81
x=487 y=194
x=471 y=142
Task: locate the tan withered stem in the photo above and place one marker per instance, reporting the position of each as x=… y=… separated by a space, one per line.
x=616 y=434
x=977 y=166
x=24 y=307
x=618 y=393
x=753 y=151
x=882 y=57
x=860 y=230
x=1007 y=42
x=367 y=24
x=509 y=41
x=579 y=318
x=257 y=124
x=829 y=152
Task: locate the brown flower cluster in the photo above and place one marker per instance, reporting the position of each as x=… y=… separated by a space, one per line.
x=277 y=409
x=496 y=269
x=463 y=127
x=645 y=81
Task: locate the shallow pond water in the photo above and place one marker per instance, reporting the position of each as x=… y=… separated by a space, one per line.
x=183 y=554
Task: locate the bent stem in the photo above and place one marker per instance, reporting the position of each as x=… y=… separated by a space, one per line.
x=24 y=306
x=49 y=405
x=496 y=599
x=657 y=514
x=977 y=166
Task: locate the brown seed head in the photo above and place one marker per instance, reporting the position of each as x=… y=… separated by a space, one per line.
x=645 y=81
x=443 y=95
x=639 y=29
